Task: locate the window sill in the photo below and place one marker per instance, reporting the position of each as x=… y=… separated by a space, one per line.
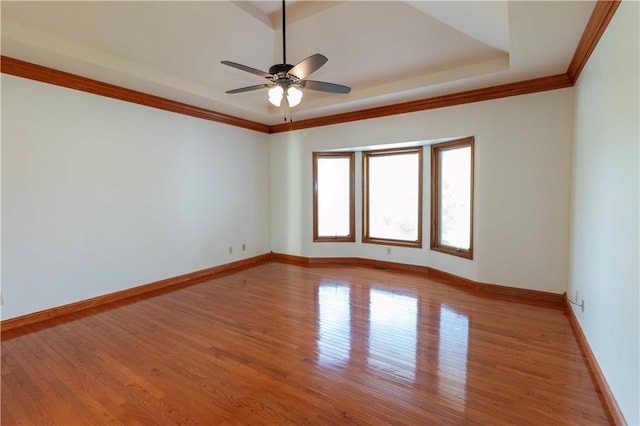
x=466 y=254
x=398 y=243
x=334 y=239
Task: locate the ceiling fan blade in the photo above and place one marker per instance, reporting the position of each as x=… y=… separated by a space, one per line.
x=249 y=88
x=308 y=66
x=247 y=69
x=322 y=86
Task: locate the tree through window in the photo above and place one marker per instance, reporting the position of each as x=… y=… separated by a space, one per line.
x=392 y=197
x=452 y=197
x=333 y=196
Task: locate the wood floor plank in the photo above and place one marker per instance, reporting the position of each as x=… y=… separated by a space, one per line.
x=285 y=344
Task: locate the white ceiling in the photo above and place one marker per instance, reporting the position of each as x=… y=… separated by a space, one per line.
x=386 y=51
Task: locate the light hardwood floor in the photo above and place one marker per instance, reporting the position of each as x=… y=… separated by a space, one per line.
x=284 y=344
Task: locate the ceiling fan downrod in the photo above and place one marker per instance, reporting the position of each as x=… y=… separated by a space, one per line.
x=286 y=81
x=284 y=35
x=282 y=70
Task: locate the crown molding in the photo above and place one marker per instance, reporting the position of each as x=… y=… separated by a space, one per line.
x=488 y=93
x=44 y=74
x=601 y=16
x=598 y=22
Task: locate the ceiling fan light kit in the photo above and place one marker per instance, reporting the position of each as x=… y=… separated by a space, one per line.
x=288 y=81
x=275 y=95
x=294 y=96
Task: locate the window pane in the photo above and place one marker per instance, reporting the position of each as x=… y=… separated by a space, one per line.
x=455 y=197
x=333 y=196
x=394 y=184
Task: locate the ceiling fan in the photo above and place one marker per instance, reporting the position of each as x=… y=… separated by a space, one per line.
x=289 y=79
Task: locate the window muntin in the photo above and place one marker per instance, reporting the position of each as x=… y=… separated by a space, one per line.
x=392 y=197
x=452 y=197
x=333 y=197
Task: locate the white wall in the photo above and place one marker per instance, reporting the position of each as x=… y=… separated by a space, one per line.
x=605 y=215
x=522 y=187
x=99 y=195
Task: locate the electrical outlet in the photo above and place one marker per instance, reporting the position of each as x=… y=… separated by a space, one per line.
x=244 y=247
x=388 y=250
x=230 y=250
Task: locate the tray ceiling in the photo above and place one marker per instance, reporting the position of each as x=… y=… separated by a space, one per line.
x=386 y=51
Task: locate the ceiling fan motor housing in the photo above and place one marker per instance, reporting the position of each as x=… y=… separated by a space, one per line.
x=280 y=75
x=280 y=68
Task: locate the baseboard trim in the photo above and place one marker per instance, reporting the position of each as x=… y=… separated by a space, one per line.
x=482 y=289
x=142 y=290
x=598 y=377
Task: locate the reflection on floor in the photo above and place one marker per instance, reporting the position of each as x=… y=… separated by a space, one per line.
x=334 y=323
x=283 y=344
